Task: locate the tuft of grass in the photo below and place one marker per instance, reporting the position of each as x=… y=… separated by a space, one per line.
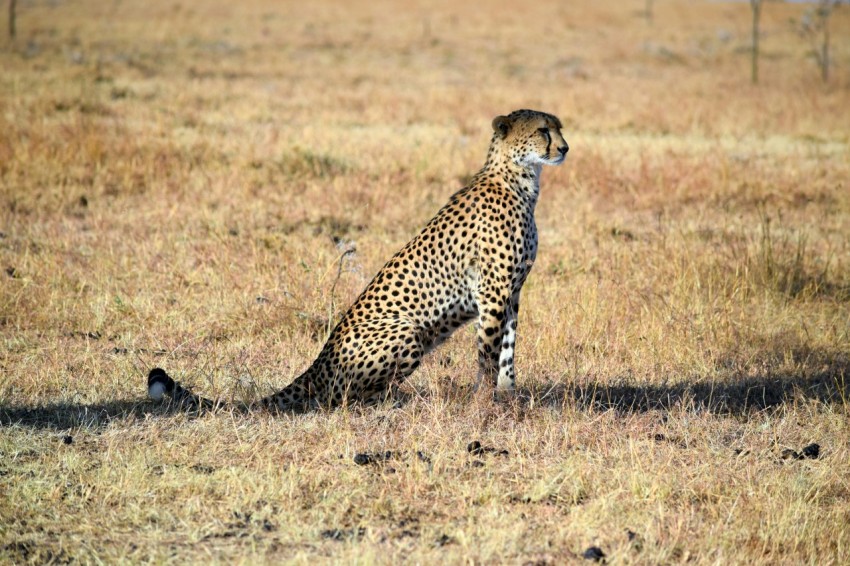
x=301 y=162
x=788 y=266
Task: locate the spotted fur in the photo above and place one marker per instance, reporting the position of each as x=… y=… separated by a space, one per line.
x=468 y=264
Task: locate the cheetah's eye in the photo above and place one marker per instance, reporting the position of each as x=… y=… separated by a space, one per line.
x=544 y=131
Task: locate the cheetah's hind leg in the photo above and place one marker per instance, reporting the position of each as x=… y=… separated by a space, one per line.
x=391 y=349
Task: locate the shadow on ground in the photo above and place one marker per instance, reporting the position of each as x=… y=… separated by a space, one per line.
x=734 y=396
x=819 y=377
x=61 y=416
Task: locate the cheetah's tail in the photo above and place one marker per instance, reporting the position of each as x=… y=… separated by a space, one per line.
x=160 y=383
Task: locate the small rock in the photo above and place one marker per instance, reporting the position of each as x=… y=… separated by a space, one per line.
x=594 y=553
x=363 y=459
x=444 y=540
x=789 y=454
x=68 y=439
x=366 y=458
x=812 y=451
x=475 y=448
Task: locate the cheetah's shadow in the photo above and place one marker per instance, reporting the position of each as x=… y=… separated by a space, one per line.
x=63 y=416
x=738 y=395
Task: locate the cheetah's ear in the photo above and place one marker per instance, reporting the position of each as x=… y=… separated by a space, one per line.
x=502 y=125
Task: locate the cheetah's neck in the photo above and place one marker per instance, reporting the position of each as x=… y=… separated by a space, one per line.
x=525 y=179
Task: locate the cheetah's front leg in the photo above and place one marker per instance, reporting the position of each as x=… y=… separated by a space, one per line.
x=507 y=374
x=494 y=313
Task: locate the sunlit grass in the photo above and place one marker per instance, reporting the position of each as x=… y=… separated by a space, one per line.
x=178 y=182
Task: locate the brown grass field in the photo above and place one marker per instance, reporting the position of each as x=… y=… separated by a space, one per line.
x=179 y=181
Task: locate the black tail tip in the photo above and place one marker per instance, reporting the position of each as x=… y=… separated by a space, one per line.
x=158 y=375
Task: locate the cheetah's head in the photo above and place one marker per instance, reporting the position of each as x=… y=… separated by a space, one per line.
x=530 y=138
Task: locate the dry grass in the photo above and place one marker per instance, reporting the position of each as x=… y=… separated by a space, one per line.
x=178 y=182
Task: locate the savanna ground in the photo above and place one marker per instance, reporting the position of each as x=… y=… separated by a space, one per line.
x=180 y=182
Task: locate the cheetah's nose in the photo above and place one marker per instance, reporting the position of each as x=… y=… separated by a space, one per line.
x=564 y=149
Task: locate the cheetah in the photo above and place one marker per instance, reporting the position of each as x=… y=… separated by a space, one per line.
x=469 y=263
